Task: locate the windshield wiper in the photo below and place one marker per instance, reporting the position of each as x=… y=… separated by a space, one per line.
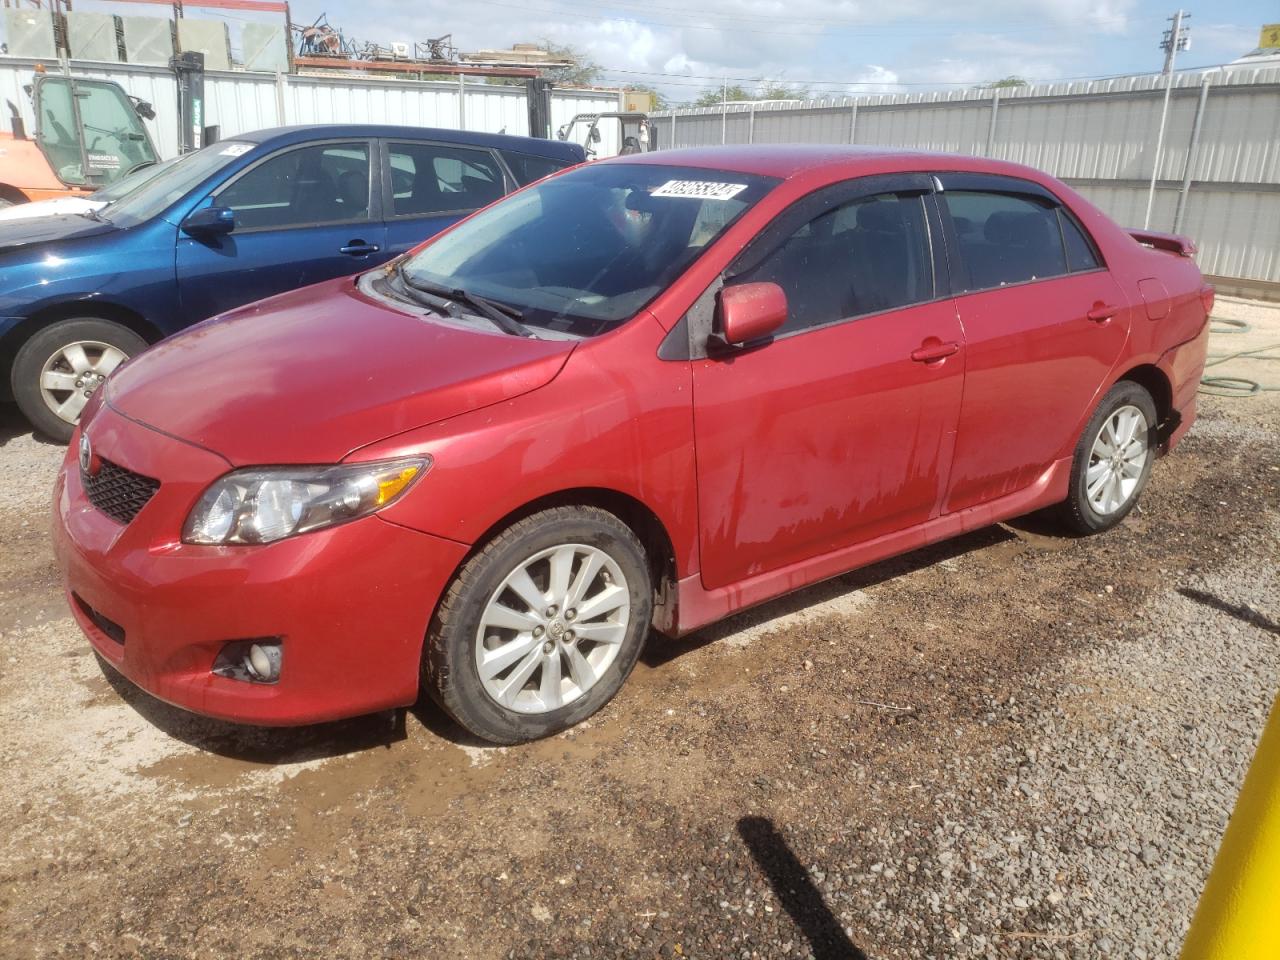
x=93 y=214
x=505 y=318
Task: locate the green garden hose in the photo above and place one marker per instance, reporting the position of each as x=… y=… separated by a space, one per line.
x=1220 y=386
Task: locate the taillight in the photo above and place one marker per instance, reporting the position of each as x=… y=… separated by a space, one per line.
x=1206 y=297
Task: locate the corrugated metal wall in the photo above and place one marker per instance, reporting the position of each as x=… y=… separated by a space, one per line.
x=1099 y=136
x=238 y=102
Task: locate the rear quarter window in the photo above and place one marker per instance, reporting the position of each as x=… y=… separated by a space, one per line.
x=1005 y=238
x=527 y=168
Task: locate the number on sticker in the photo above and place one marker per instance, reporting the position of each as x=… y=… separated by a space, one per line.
x=699 y=189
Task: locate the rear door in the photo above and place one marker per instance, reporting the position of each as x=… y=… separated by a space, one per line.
x=840 y=429
x=429 y=186
x=1044 y=323
x=303 y=214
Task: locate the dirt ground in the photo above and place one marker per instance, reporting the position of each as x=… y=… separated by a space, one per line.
x=954 y=753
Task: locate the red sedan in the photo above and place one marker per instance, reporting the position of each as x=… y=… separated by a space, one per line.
x=644 y=393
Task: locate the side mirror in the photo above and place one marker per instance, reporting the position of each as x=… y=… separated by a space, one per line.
x=595 y=134
x=144 y=110
x=751 y=312
x=210 y=222
x=563 y=132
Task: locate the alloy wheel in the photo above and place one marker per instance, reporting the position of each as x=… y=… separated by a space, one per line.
x=1117 y=460
x=69 y=377
x=552 y=628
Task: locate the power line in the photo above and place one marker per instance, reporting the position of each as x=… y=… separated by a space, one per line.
x=674 y=79
x=908 y=31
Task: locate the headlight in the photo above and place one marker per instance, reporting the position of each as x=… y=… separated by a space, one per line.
x=265 y=504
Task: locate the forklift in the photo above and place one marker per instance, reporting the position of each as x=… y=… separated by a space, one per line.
x=629 y=133
x=89 y=134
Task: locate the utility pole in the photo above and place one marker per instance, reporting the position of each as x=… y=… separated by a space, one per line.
x=1176 y=38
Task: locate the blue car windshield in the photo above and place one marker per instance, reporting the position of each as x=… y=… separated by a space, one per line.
x=586 y=250
x=172 y=184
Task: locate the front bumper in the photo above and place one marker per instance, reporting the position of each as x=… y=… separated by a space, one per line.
x=351 y=603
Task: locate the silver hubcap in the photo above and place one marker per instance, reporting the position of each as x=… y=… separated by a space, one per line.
x=1115 y=463
x=552 y=629
x=70 y=376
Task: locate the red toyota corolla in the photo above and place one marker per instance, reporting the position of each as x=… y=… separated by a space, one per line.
x=646 y=392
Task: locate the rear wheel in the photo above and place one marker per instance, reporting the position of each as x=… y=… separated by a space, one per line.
x=541 y=626
x=1112 y=459
x=58 y=369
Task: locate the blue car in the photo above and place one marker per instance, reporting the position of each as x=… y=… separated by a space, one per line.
x=235 y=222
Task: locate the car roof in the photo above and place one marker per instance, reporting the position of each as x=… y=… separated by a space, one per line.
x=283 y=136
x=787 y=161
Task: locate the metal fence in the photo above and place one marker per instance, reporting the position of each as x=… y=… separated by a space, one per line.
x=238 y=102
x=1215 y=152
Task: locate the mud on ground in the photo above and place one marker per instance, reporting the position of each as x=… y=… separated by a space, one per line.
x=1014 y=744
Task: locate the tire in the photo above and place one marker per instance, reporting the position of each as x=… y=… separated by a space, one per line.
x=535 y=704
x=1102 y=495
x=104 y=345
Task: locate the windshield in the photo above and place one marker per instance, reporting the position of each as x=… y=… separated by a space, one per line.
x=132 y=182
x=173 y=183
x=586 y=250
x=108 y=143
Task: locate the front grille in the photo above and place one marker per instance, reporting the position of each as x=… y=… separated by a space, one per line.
x=117 y=492
x=109 y=627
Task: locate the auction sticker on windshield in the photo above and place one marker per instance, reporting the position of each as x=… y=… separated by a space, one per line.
x=699 y=189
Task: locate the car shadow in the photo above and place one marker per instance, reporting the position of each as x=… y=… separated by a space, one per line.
x=260 y=745
x=661 y=650
x=13 y=425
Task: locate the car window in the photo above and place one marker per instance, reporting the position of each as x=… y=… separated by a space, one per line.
x=174 y=182
x=1080 y=252
x=1004 y=238
x=526 y=169
x=429 y=178
x=323 y=183
x=863 y=257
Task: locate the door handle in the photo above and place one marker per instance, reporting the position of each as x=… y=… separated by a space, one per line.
x=1102 y=314
x=358 y=248
x=933 y=352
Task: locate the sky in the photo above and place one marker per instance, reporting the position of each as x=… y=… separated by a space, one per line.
x=833 y=47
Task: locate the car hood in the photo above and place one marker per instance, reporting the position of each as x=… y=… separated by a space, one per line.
x=311 y=375
x=50 y=208
x=23 y=233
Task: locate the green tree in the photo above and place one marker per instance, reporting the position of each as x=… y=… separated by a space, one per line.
x=715 y=96
x=582 y=72
x=1010 y=81
x=777 y=90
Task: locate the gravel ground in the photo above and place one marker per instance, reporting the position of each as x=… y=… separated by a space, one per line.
x=1011 y=745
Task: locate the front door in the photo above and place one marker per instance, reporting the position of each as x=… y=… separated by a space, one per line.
x=1044 y=324
x=840 y=430
x=303 y=215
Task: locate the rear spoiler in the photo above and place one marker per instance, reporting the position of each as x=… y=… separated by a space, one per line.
x=1171 y=242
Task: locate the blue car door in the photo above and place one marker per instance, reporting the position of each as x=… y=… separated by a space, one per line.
x=303 y=214
x=428 y=186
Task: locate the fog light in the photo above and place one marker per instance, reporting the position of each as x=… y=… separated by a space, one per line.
x=253 y=661
x=264 y=662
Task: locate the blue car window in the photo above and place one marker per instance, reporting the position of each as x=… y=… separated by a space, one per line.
x=428 y=178
x=322 y=183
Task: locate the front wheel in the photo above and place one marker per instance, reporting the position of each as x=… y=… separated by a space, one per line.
x=1112 y=460
x=541 y=626
x=58 y=369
